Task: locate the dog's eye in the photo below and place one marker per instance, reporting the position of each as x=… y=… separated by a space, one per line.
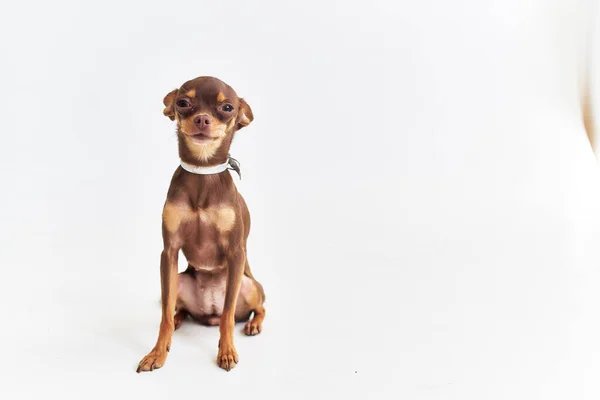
x=228 y=108
x=183 y=103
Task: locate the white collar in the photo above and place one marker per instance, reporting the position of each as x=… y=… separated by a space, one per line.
x=213 y=169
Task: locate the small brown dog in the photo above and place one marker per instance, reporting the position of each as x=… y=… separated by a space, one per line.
x=206 y=218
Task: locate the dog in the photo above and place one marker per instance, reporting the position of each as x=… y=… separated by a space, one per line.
x=206 y=218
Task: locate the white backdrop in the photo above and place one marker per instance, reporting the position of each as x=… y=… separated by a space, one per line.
x=423 y=193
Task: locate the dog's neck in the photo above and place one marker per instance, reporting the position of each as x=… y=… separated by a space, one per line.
x=204 y=155
x=218 y=162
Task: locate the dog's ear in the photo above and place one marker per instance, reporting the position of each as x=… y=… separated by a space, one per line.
x=244 y=115
x=168 y=101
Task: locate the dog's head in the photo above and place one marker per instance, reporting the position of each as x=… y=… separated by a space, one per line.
x=208 y=113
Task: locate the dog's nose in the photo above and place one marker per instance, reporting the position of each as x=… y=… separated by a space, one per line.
x=202 y=121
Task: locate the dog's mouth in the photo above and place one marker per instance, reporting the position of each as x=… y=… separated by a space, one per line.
x=202 y=137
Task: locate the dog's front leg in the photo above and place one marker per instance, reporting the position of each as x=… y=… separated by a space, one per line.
x=228 y=357
x=168 y=282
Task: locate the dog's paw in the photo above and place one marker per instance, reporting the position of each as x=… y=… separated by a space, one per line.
x=252 y=327
x=154 y=360
x=227 y=357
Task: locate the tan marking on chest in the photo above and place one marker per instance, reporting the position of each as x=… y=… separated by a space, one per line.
x=174 y=215
x=222 y=218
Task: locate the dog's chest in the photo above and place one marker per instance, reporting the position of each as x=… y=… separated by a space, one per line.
x=183 y=220
x=204 y=233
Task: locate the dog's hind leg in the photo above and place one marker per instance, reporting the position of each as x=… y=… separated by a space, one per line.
x=185 y=288
x=254 y=296
x=180 y=315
